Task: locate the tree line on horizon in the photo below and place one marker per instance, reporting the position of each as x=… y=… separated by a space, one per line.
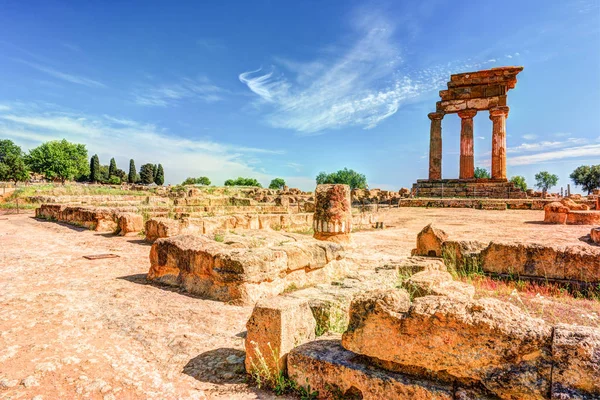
x=61 y=160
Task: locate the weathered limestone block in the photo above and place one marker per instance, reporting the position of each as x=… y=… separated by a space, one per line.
x=575 y=262
x=595 y=235
x=413 y=264
x=245 y=274
x=276 y=326
x=437 y=283
x=429 y=242
x=571 y=205
x=130 y=223
x=576 y=353
x=337 y=373
x=556 y=213
x=49 y=211
x=583 y=218
x=161 y=228
x=486 y=341
x=463 y=255
x=333 y=213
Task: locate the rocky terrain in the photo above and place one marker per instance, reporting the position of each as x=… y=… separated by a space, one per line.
x=77 y=328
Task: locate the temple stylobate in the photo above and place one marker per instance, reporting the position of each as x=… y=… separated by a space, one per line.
x=467 y=94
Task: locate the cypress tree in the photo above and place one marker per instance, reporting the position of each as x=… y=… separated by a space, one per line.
x=147 y=174
x=154 y=172
x=95 y=169
x=112 y=168
x=160 y=175
x=132 y=174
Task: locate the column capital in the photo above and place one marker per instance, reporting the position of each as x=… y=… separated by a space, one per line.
x=498 y=111
x=467 y=114
x=436 y=115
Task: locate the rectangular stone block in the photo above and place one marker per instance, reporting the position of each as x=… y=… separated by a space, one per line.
x=276 y=326
x=335 y=372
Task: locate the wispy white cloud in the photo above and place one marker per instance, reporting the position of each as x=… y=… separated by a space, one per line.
x=168 y=94
x=4 y=107
x=71 y=46
x=77 y=79
x=590 y=150
x=124 y=139
x=545 y=145
x=360 y=85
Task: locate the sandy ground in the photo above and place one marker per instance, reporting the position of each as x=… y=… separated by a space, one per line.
x=74 y=328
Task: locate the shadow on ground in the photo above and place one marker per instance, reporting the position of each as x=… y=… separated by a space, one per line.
x=72 y=227
x=537 y=223
x=140 y=279
x=588 y=239
x=225 y=365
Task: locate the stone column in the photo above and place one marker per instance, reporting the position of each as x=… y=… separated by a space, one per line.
x=467 y=162
x=333 y=213
x=435 y=145
x=498 y=116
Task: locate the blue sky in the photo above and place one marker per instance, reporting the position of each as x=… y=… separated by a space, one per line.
x=268 y=88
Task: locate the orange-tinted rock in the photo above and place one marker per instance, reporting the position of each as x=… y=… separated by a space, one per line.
x=556 y=213
x=486 y=341
x=595 y=235
x=429 y=242
x=583 y=218
x=336 y=373
x=333 y=213
x=130 y=223
x=276 y=326
x=575 y=263
x=226 y=271
x=573 y=206
x=576 y=354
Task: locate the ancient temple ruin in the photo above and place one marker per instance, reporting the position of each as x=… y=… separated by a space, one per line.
x=467 y=94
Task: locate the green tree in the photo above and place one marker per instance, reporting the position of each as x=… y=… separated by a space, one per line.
x=586 y=176
x=103 y=172
x=519 y=181
x=95 y=169
x=344 y=176
x=132 y=177
x=545 y=180
x=147 y=174
x=277 y=184
x=160 y=175
x=59 y=159
x=122 y=175
x=481 y=173
x=155 y=171
x=112 y=168
x=12 y=162
x=202 y=180
x=242 y=182
x=114 y=180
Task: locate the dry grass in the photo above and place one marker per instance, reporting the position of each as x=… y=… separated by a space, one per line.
x=548 y=301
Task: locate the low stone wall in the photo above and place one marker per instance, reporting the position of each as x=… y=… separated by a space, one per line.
x=243 y=268
x=578 y=264
x=100 y=219
x=479 y=204
x=164 y=227
x=100 y=199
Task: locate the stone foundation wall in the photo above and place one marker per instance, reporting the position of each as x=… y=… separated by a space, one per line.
x=479 y=204
x=100 y=219
x=479 y=188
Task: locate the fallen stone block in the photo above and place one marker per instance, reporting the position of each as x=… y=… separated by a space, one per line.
x=556 y=213
x=243 y=274
x=130 y=223
x=161 y=228
x=487 y=341
x=276 y=326
x=576 y=355
x=326 y=367
x=429 y=242
x=595 y=235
